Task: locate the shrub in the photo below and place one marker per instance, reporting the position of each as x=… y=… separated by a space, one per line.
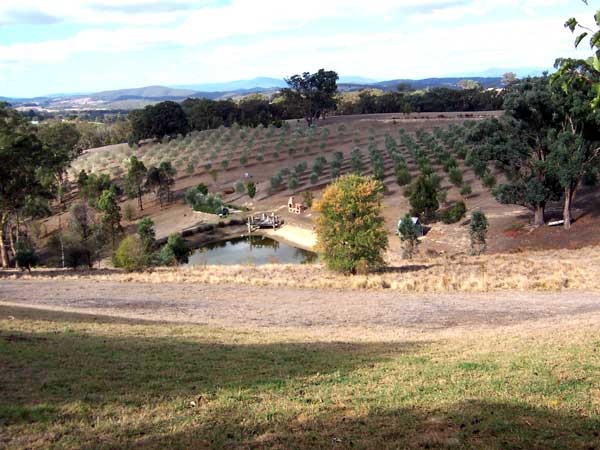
x=146 y=233
x=466 y=191
x=455 y=176
x=175 y=251
x=408 y=231
x=350 y=228
x=307 y=198
x=423 y=197
x=454 y=214
x=489 y=180
x=240 y=187
x=478 y=232
x=276 y=181
x=293 y=182
x=26 y=255
x=131 y=254
x=128 y=212
x=314 y=178
x=402 y=175
x=442 y=196
x=251 y=189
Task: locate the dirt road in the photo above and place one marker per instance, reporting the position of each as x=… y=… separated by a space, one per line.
x=261 y=307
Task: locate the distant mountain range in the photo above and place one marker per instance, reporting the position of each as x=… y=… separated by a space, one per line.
x=139 y=97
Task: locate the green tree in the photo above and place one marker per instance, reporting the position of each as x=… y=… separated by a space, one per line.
x=313 y=93
x=251 y=189
x=22 y=155
x=147 y=233
x=131 y=254
x=111 y=214
x=160 y=179
x=175 y=251
x=135 y=180
x=519 y=144
x=26 y=255
x=356 y=161
x=423 y=197
x=350 y=228
x=408 y=231
x=478 y=232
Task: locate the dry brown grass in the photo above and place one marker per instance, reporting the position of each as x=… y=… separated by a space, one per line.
x=529 y=271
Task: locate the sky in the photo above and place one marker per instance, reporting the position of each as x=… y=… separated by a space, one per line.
x=69 y=46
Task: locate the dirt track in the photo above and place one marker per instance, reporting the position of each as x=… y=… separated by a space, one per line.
x=260 y=307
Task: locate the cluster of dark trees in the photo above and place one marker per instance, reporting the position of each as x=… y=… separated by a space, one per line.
x=309 y=97
x=433 y=100
x=547 y=143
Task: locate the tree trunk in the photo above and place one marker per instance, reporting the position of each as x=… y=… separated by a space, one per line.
x=11 y=241
x=140 y=200
x=3 y=252
x=539 y=219
x=567 y=214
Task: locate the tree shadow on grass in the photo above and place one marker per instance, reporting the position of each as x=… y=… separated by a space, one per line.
x=476 y=424
x=74 y=367
x=79 y=381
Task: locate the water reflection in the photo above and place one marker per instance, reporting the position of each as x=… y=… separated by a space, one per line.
x=256 y=250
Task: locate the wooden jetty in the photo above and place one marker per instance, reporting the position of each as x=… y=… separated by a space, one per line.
x=263 y=220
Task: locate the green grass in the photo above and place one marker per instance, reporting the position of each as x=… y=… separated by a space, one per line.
x=74 y=381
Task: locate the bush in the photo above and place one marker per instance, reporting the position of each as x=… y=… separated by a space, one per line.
x=128 y=212
x=350 y=228
x=131 y=254
x=240 y=187
x=466 y=191
x=456 y=177
x=478 y=232
x=251 y=189
x=146 y=233
x=442 y=196
x=409 y=236
x=402 y=176
x=293 y=182
x=314 y=178
x=489 y=180
x=26 y=255
x=307 y=198
x=175 y=251
x=276 y=181
x=454 y=214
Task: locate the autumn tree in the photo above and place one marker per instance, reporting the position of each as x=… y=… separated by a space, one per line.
x=350 y=228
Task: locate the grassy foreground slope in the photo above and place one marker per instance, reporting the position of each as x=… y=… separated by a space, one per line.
x=82 y=381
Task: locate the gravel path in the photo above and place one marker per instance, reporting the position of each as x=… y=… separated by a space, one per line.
x=258 y=307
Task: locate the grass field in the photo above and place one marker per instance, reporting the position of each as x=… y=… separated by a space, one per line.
x=79 y=381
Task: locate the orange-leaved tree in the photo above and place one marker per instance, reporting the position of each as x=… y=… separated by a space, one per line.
x=351 y=236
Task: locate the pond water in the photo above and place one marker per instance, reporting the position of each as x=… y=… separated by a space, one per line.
x=255 y=250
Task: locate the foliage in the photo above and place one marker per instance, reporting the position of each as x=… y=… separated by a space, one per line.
x=135 y=180
x=350 y=228
x=160 y=179
x=240 y=187
x=156 y=121
x=207 y=203
x=312 y=93
x=409 y=236
x=423 y=197
x=455 y=213
x=131 y=254
x=466 y=190
x=147 y=234
x=455 y=176
x=478 y=231
x=307 y=198
x=251 y=189
x=111 y=217
x=175 y=251
x=128 y=212
x=26 y=256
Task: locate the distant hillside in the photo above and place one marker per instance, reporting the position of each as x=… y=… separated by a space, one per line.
x=139 y=97
x=239 y=85
x=148 y=92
